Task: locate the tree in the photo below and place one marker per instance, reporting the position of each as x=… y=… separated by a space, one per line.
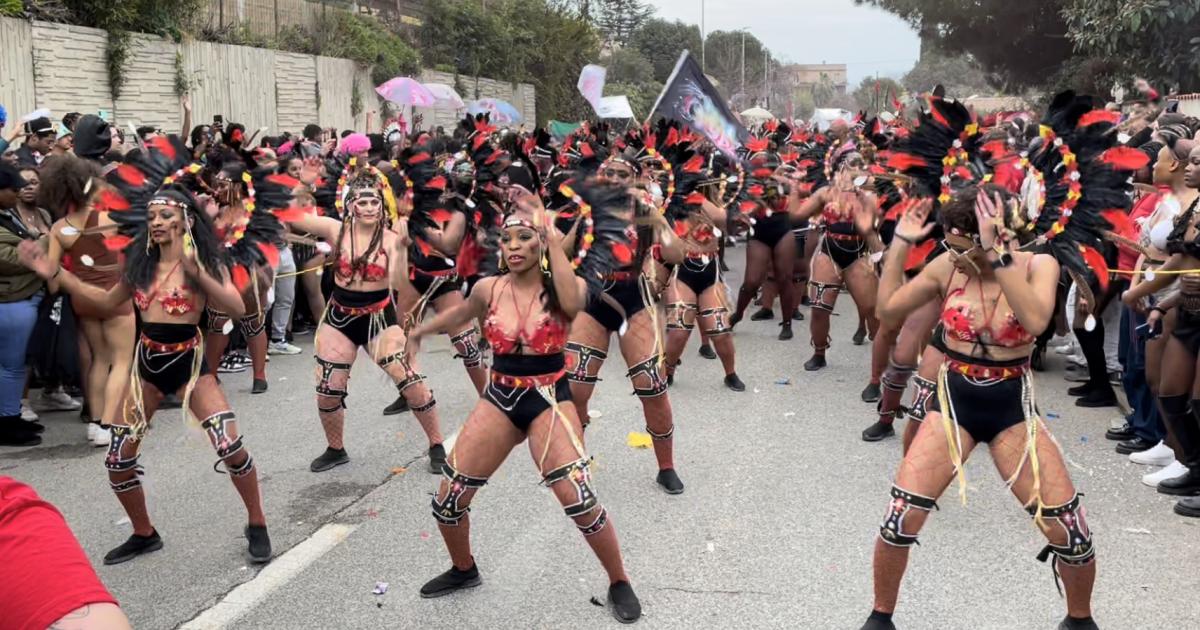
x=661 y=42
x=1155 y=39
x=959 y=74
x=1020 y=43
x=875 y=95
x=725 y=63
x=627 y=65
x=619 y=19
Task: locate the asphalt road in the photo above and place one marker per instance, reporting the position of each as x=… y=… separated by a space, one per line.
x=775 y=529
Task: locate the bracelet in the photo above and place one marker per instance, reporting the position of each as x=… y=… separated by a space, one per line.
x=56 y=272
x=1159 y=309
x=905 y=239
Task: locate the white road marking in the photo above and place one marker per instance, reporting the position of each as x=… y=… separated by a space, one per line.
x=282 y=570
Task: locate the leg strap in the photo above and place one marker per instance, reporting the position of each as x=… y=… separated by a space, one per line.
x=324 y=388
x=677 y=316
x=658 y=437
x=584 y=356
x=217 y=426
x=828 y=344
x=400 y=356
x=466 y=346
x=253 y=325
x=447 y=510
x=576 y=473
x=892 y=529
x=1072 y=518
x=425 y=407
x=121 y=433
x=818 y=295
x=925 y=390
x=411 y=379
x=720 y=319
x=896 y=377
x=648 y=368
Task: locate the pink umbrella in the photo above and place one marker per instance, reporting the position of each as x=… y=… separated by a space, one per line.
x=406 y=91
x=445 y=95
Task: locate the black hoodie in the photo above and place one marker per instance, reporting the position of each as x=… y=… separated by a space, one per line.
x=93 y=137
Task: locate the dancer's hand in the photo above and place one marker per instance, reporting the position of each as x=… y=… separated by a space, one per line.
x=988 y=211
x=401 y=229
x=311 y=170
x=912 y=227
x=33 y=257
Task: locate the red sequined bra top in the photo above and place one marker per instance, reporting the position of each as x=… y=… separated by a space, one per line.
x=549 y=334
x=176 y=302
x=369 y=272
x=959 y=322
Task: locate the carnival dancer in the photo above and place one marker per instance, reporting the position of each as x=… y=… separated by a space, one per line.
x=528 y=311
x=69 y=184
x=174 y=267
x=995 y=300
x=370 y=262
x=235 y=217
x=627 y=308
x=844 y=253
x=697 y=290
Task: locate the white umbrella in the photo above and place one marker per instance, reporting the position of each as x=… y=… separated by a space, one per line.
x=445 y=95
x=757 y=114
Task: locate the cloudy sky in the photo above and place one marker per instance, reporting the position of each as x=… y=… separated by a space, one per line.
x=811 y=31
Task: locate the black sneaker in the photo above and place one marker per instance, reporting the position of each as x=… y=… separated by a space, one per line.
x=871 y=393
x=450 y=581
x=1136 y=445
x=797 y=315
x=260 y=386
x=1076 y=623
x=860 y=337
x=1188 y=506
x=1080 y=390
x=879 y=621
x=669 y=481
x=733 y=382
x=17 y=437
x=396 y=408
x=1185 y=485
x=623 y=602
x=259 y=548
x=437 y=458
x=330 y=458
x=1121 y=434
x=707 y=351
x=762 y=315
x=878 y=431
x=785 y=331
x=134 y=547
x=817 y=362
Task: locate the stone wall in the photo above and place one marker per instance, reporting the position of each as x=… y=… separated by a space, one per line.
x=62 y=68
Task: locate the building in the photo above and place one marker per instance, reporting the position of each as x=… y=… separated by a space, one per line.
x=800 y=77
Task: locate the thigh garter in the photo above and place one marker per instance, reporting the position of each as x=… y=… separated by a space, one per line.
x=325 y=389
x=720 y=316
x=677 y=316
x=649 y=368
x=447 y=511
x=577 y=474
x=466 y=347
x=892 y=529
x=216 y=426
x=121 y=434
x=584 y=356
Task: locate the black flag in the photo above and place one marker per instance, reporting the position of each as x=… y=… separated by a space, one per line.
x=690 y=99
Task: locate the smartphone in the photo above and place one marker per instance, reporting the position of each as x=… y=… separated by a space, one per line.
x=218 y=119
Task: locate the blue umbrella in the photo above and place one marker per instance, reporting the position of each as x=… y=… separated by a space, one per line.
x=500 y=111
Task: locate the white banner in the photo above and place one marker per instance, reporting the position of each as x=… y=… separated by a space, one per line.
x=613 y=107
x=591 y=83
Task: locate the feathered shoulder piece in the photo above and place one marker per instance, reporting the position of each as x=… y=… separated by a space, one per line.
x=256 y=242
x=605 y=231
x=165 y=160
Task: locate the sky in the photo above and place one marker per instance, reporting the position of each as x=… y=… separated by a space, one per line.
x=868 y=40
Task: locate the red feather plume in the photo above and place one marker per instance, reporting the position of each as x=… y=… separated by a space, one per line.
x=437 y=183
x=440 y=215
x=1095 y=260
x=1099 y=116
x=681 y=228
x=757 y=144
x=270 y=252
x=585 y=149
x=694 y=199
x=164 y=146
x=110 y=201
x=905 y=161
x=1125 y=158
x=1120 y=221
x=747 y=206
x=241 y=277
x=131 y=175
x=291 y=215
x=672 y=137
x=426 y=248
x=996 y=148
x=280 y=179
x=418 y=158
x=622 y=253
x=117 y=242
x=916 y=255
x=694 y=165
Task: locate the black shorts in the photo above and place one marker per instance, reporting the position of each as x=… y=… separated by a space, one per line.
x=351 y=312
x=627 y=293
x=698 y=275
x=423 y=282
x=843 y=252
x=523 y=405
x=1187 y=330
x=984 y=409
x=168 y=371
x=770 y=230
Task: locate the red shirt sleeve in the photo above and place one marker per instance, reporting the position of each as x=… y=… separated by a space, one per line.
x=46 y=573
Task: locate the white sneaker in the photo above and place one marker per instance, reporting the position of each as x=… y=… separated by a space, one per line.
x=102 y=437
x=1171 y=471
x=1158 y=455
x=56 y=400
x=283 y=347
x=91 y=431
x=1066 y=348
x=27 y=412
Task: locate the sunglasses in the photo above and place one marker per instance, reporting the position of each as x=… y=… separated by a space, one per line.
x=958 y=250
x=613 y=173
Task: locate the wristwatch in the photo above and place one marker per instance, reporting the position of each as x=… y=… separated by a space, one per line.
x=1003 y=258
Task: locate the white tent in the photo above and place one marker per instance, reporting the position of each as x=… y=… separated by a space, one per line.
x=823 y=118
x=756 y=115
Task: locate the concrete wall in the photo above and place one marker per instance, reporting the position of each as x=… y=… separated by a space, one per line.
x=62 y=68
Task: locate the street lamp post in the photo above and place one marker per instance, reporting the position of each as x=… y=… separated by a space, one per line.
x=743 y=63
x=703 y=64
